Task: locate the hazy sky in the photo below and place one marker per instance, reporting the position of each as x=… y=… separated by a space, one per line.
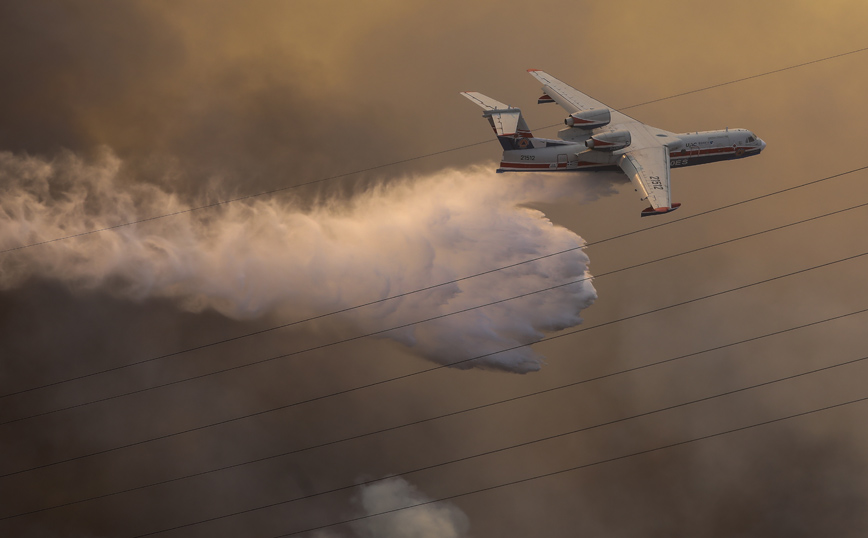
x=118 y=111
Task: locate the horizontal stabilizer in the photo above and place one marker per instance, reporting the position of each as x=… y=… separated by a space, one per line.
x=485 y=101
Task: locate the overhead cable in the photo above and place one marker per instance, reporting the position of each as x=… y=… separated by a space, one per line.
x=569 y=469
x=427 y=288
x=486 y=406
x=405 y=325
x=426 y=370
x=410 y=159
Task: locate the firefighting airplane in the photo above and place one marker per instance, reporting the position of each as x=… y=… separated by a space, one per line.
x=599 y=138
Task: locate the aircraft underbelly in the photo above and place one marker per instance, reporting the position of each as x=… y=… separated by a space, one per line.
x=570 y=157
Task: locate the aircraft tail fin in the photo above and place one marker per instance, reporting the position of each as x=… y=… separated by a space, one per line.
x=506 y=121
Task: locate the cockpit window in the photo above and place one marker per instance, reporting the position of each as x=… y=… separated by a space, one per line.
x=750 y=139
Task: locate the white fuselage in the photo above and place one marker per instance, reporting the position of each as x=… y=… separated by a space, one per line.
x=685 y=149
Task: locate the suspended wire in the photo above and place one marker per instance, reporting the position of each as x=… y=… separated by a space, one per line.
x=536 y=477
x=245 y=197
x=562 y=471
x=480 y=407
x=434 y=318
x=490 y=271
x=410 y=159
x=419 y=372
x=748 y=78
x=427 y=288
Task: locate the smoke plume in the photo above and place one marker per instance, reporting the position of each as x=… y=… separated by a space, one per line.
x=278 y=257
x=436 y=520
x=439 y=520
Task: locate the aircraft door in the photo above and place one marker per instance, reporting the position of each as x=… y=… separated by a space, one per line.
x=562 y=160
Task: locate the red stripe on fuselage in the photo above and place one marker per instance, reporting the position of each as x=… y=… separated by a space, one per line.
x=710 y=151
x=524 y=165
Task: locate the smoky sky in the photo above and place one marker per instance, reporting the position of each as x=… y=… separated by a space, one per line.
x=115 y=110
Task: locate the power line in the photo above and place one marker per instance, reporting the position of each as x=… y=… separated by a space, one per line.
x=410 y=159
x=427 y=288
x=748 y=78
x=440 y=316
x=480 y=407
x=670 y=222
x=418 y=372
x=570 y=469
x=502 y=449
x=721 y=84
x=559 y=435
x=240 y=198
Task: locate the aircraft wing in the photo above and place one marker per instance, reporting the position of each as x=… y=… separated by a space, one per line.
x=571 y=99
x=648 y=170
x=645 y=161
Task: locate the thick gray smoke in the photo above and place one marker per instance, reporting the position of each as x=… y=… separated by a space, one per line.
x=271 y=257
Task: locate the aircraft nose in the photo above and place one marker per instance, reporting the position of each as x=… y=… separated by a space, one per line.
x=762 y=144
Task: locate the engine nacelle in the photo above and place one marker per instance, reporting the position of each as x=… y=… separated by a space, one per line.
x=609 y=141
x=589 y=119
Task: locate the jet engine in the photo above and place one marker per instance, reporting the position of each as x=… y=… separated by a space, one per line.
x=609 y=141
x=589 y=119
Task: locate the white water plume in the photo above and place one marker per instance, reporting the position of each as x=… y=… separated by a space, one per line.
x=269 y=256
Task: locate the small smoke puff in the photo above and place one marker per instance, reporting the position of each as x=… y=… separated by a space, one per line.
x=269 y=257
x=433 y=520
